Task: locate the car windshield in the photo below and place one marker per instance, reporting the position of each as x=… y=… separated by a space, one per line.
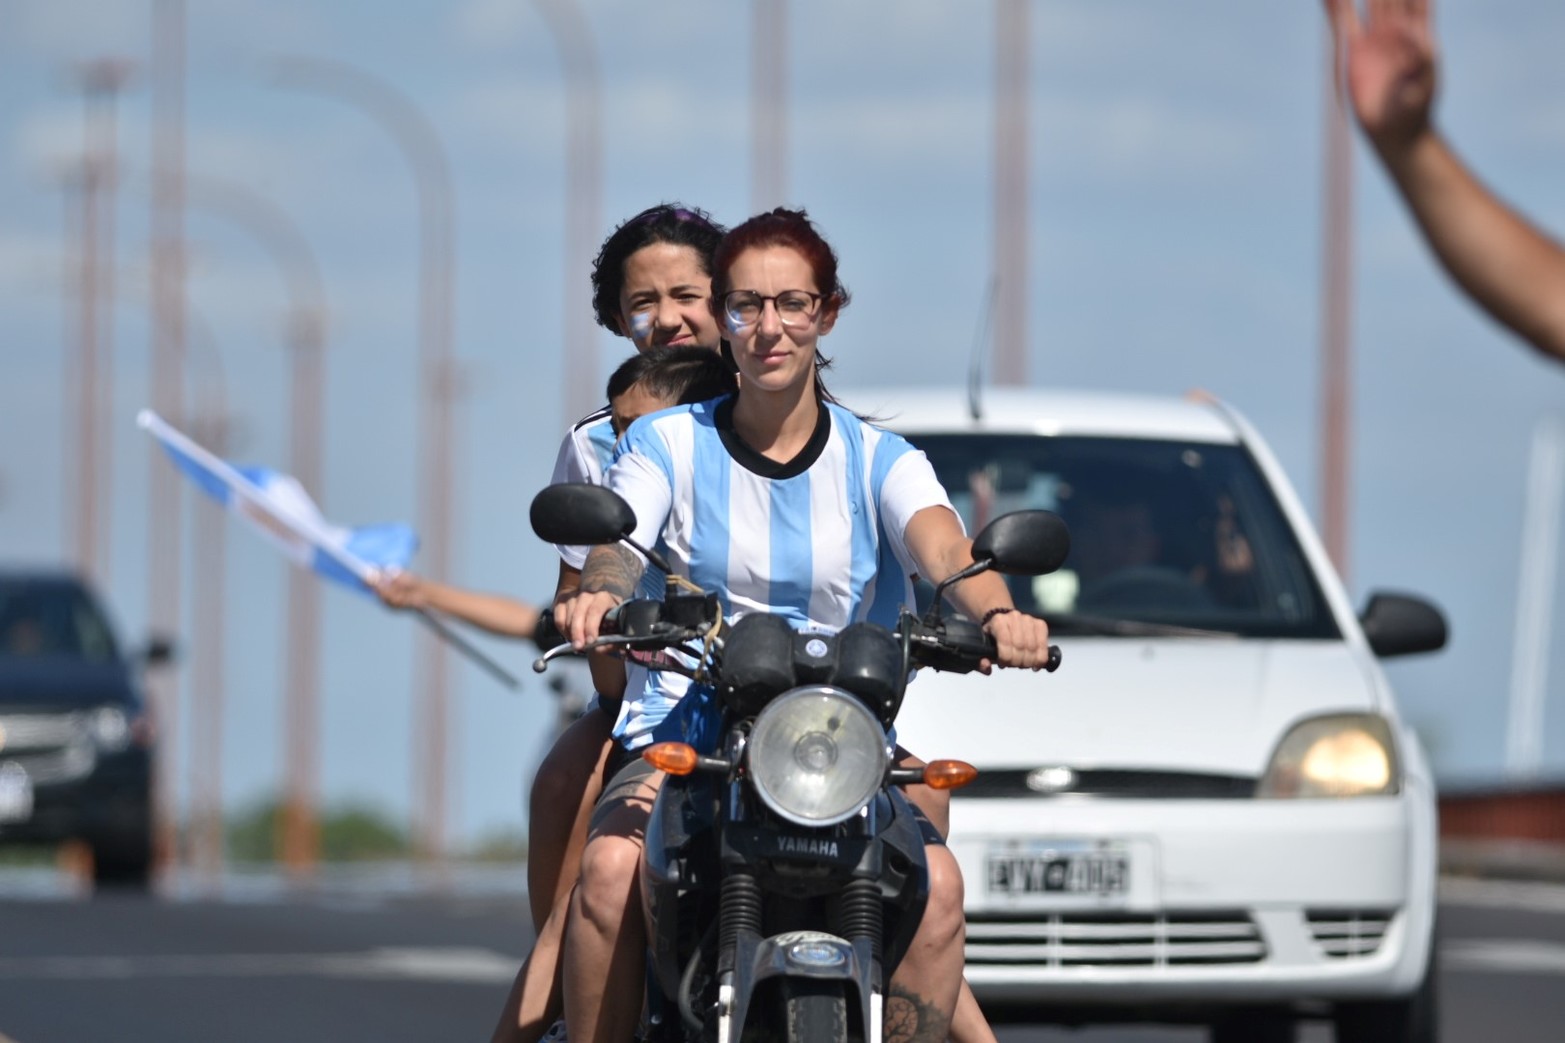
x=1164 y=534
x=53 y=619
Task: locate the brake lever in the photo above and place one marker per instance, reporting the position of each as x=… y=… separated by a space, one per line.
x=542 y=662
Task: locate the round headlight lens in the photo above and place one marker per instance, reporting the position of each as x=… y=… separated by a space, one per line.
x=1343 y=755
x=817 y=755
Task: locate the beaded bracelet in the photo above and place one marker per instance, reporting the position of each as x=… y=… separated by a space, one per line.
x=1000 y=611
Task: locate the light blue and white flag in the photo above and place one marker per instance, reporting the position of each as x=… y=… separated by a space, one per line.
x=280 y=510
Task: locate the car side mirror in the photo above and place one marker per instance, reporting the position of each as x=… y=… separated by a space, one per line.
x=580 y=515
x=158 y=651
x=1399 y=624
x=1024 y=543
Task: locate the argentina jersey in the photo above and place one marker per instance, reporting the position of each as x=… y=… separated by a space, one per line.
x=817 y=541
x=585 y=454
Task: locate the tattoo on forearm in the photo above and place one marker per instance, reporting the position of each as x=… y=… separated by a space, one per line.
x=613 y=569
x=910 y=1018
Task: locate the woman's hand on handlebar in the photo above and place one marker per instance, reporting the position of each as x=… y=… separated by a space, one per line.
x=1020 y=640
x=580 y=614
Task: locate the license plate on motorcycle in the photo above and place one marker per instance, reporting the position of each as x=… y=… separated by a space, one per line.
x=16 y=793
x=1088 y=868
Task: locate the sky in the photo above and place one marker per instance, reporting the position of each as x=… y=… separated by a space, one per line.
x=1174 y=229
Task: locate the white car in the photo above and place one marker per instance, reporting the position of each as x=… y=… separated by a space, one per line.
x=1213 y=812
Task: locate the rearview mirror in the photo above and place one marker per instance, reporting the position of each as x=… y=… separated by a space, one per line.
x=1398 y=624
x=158 y=651
x=1024 y=543
x=579 y=515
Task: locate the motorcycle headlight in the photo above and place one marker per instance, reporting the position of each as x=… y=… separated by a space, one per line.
x=817 y=755
x=1342 y=755
x=109 y=728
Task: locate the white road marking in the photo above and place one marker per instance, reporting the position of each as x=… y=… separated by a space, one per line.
x=460 y=965
x=1504 y=956
x=1503 y=894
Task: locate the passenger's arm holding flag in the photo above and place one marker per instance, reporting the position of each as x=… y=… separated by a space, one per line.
x=495 y=613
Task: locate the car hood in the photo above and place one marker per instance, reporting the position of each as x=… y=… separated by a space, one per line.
x=1199 y=705
x=52 y=684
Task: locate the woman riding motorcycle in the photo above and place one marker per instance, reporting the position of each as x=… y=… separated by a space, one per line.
x=782 y=501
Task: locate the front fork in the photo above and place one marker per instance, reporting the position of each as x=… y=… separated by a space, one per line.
x=746 y=956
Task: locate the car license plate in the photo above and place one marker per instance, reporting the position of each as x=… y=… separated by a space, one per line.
x=1059 y=868
x=16 y=794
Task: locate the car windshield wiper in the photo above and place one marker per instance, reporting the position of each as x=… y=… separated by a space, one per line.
x=1075 y=623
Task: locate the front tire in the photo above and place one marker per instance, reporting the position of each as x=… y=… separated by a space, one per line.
x=814 y=1011
x=123 y=864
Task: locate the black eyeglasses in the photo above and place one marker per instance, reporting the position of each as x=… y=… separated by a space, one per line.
x=794 y=307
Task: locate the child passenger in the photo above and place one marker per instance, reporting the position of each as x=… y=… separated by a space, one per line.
x=655 y=379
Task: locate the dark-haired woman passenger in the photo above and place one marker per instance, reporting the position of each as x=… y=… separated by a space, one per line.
x=652 y=284
x=786 y=503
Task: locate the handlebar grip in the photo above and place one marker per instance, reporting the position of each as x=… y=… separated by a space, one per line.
x=1055 y=656
x=546 y=635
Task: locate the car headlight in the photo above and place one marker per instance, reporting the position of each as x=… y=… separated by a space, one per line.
x=817 y=755
x=109 y=728
x=1341 y=755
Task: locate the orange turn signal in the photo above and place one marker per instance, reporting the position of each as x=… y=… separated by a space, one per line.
x=948 y=774
x=676 y=758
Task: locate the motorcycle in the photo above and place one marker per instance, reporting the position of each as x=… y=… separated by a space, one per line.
x=784 y=867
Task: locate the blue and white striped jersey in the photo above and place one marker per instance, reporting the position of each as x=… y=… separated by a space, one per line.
x=818 y=541
x=584 y=456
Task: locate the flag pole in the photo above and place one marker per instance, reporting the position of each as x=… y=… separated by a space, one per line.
x=461 y=644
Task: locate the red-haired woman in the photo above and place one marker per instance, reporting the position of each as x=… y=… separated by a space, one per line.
x=783 y=502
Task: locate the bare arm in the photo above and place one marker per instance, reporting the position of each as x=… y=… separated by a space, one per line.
x=934 y=538
x=1388 y=63
x=608 y=578
x=608 y=672
x=1511 y=268
x=495 y=613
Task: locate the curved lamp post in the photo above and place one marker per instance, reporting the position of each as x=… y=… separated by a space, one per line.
x=306 y=409
x=416 y=138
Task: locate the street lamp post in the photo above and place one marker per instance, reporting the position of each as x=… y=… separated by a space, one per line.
x=1010 y=192
x=101 y=81
x=165 y=494
x=416 y=138
x=768 y=104
x=1336 y=322
x=583 y=193
x=305 y=339
x=211 y=426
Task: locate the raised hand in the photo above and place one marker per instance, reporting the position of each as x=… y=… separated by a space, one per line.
x=1388 y=61
x=401 y=590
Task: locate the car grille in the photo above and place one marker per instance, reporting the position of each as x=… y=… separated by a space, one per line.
x=49 y=747
x=1115 y=940
x=38 y=731
x=1346 y=934
x=1112 y=783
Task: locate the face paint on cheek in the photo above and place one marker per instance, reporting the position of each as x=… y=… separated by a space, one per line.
x=640 y=325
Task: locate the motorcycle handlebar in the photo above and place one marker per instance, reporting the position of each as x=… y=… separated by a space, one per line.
x=959 y=645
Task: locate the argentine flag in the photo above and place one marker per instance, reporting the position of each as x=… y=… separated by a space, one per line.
x=280 y=510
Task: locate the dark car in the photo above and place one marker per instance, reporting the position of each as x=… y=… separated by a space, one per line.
x=75 y=739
